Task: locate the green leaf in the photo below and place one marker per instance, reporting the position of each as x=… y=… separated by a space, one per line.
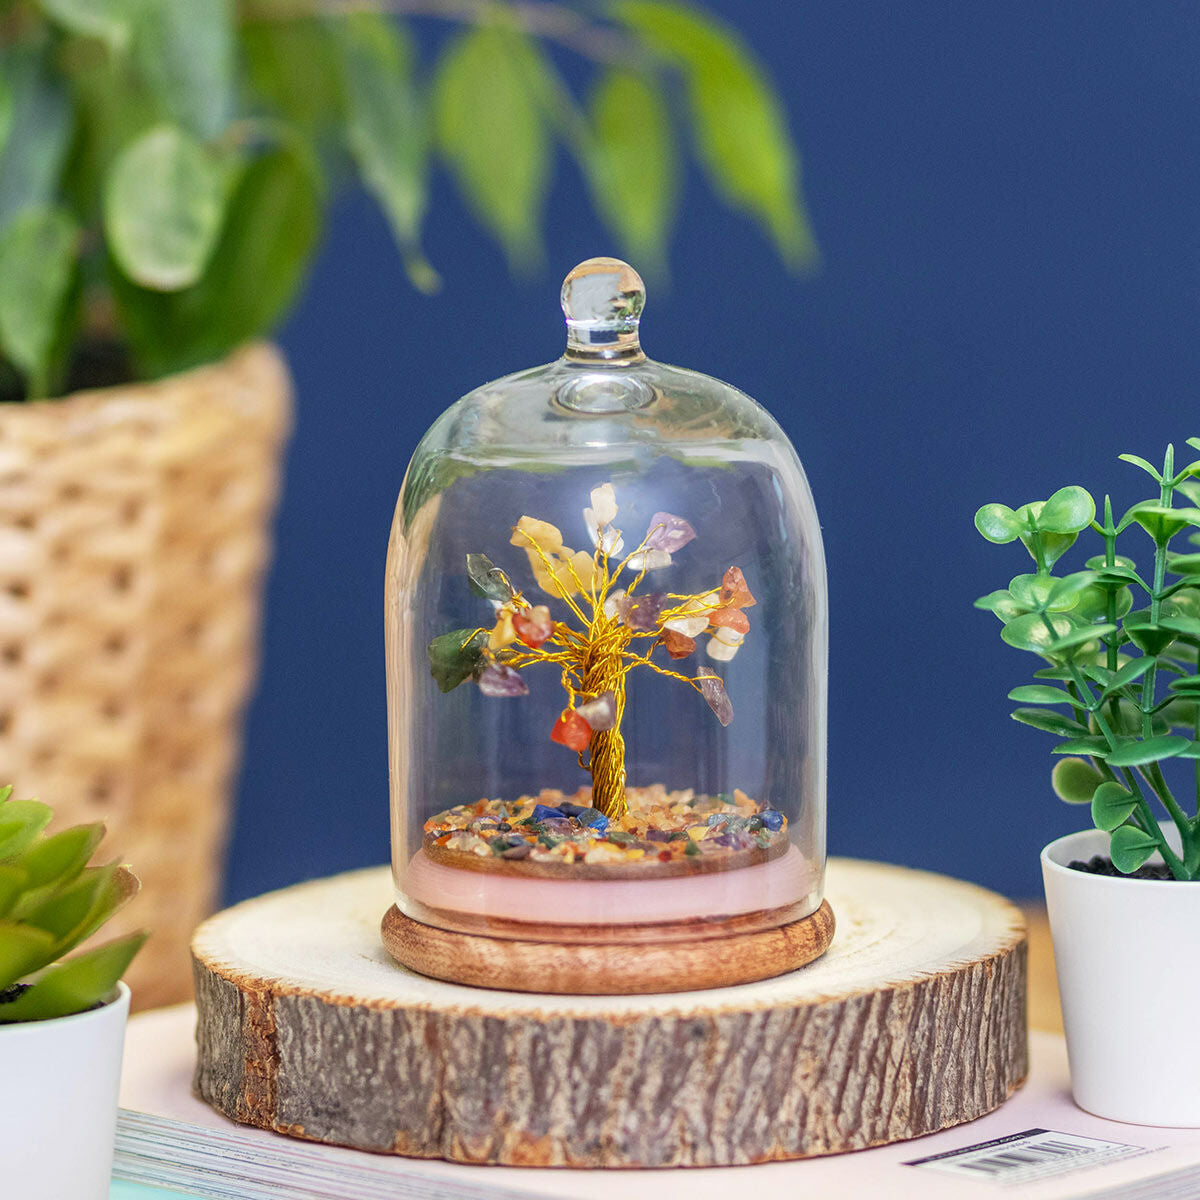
x=1184 y=564
x=1160 y=522
x=1075 y=781
x=1189 y=685
x=998 y=523
x=296 y=69
x=1149 y=637
x=1184 y=600
x=185 y=52
x=1188 y=626
x=60 y=857
x=40 y=132
x=1129 y=673
x=454 y=656
x=6 y=111
x=1039 y=694
x=1069 y=510
x=1121 y=563
x=259 y=263
x=487 y=580
x=1077 y=638
x=1049 y=722
x=1126 y=718
x=1138 y=461
x=74 y=912
x=740 y=126
x=490 y=129
x=387 y=129
x=1112 y=806
x=20 y=822
x=12 y=884
x=1031 y=591
x=77 y=984
x=108 y=20
x=22 y=949
x=1066 y=592
x=1002 y=603
x=1030 y=633
x=1092 y=603
x=37 y=262
x=1129 y=847
x=631 y=163
x=1179 y=712
x=1054 y=545
x=1095 y=747
x=164 y=201
x=1151 y=750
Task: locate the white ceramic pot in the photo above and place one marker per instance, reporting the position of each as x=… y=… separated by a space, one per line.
x=58 y=1103
x=1128 y=959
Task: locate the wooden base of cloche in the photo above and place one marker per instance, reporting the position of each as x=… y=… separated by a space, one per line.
x=681 y=956
x=913 y=1021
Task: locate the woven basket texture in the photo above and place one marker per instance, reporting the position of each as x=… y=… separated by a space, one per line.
x=134 y=535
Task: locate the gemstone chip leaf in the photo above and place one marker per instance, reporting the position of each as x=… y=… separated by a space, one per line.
x=497 y=680
x=668 y=532
x=571 y=730
x=534 y=625
x=735 y=592
x=601 y=713
x=713 y=690
x=454 y=656
x=487 y=580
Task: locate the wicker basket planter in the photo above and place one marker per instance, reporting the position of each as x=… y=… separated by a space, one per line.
x=134 y=532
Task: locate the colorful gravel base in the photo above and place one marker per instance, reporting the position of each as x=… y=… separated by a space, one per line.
x=676 y=827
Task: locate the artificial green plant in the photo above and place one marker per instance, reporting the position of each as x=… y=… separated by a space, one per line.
x=1122 y=683
x=165 y=165
x=50 y=902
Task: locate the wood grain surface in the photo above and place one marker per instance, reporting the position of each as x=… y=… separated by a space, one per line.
x=913 y=1021
x=627 y=962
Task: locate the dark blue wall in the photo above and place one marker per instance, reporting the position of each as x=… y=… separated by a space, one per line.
x=1008 y=203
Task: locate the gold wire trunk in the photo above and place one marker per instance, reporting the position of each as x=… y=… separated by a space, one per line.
x=607 y=748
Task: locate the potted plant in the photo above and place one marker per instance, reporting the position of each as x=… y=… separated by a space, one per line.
x=62 y=1020
x=1120 y=689
x=165 y=169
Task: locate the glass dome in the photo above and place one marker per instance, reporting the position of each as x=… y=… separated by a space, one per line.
x=606 y=642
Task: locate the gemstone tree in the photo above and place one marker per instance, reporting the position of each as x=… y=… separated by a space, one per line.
x=619 y=628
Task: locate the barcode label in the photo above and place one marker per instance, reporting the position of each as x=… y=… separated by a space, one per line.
x=1032 y=1154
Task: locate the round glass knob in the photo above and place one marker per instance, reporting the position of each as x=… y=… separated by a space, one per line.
x=602 y=300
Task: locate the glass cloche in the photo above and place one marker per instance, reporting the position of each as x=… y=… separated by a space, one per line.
x=606 y=639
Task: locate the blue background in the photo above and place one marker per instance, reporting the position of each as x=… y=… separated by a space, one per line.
x=1007 y=199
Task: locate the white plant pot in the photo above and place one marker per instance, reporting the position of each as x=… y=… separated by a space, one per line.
x=1128 y=974
x=58 y=1103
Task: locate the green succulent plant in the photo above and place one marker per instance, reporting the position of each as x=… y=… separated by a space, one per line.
x=166 y=165
x=50 y=902
x=1121 y=685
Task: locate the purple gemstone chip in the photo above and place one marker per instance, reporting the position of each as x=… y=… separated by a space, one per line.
x=668 y=532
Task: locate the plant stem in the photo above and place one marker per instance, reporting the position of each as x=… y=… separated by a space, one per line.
x=1160 y=573
x=1158 y=783
x=1196 y=818
x=1110 y=560
x=1147 y=822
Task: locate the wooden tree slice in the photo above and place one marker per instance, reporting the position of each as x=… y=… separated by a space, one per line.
x=913 y=1021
